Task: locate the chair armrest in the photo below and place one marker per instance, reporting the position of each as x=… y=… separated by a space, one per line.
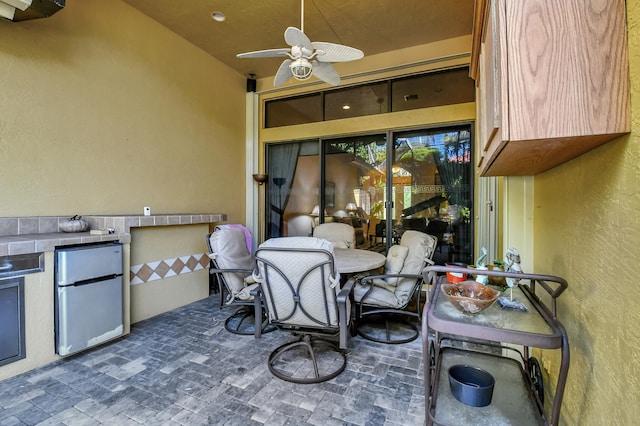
x=367 y=280
x=257 y=310
x=219 y=271
x=346 y=291
x=344 y=321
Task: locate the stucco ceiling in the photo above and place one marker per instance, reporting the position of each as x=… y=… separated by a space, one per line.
x=373 y=26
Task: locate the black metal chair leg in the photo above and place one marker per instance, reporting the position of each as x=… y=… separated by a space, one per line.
x=381 y=330
x=311 y=346
x=242 y=322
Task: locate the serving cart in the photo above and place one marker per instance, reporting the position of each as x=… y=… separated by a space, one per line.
x=497 y=340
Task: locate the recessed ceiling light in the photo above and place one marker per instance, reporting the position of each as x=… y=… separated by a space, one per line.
x=346 y=106
x=218 y=16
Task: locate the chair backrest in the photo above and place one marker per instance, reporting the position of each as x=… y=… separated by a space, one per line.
x=300 y=226
x=299 y=282
x=341 y=235
x=421 y=248
x=228 y=250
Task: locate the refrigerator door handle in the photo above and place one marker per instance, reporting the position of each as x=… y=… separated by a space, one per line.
x=91 y=280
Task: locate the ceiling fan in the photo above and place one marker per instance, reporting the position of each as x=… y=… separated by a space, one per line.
x=307 y=58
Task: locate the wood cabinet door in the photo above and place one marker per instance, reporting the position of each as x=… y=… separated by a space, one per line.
x=567 y=68
x=493 y=96
x=553 y=82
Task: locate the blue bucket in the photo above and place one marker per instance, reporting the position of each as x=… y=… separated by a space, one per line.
x=471 y=385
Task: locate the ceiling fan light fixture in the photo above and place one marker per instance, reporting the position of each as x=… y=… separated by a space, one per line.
x=301 y=69
x=304 y=57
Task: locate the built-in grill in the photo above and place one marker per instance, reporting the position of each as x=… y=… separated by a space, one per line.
x=12 y=334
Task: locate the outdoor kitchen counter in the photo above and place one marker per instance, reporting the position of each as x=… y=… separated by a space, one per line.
x=22 y=235
x=164 y=259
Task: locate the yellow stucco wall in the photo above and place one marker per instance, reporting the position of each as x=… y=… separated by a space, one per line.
x=587 y=230
x=155 y=297
x=105 y=111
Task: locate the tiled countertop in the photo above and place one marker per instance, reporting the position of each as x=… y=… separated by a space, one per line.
x=20 y=235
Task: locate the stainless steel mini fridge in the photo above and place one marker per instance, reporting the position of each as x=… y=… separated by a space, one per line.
x=88 y=296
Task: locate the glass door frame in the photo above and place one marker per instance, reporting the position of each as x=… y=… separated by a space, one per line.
x=388 y=203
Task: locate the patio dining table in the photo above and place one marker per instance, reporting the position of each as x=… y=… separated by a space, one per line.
x=349 y=261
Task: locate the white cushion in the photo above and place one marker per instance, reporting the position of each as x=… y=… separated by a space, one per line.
x=229 y=251
x=298 y=242
x=419 y=247
x=395 y=259
x=380 y=295
x=393 y=265
x=295 y=265
x=300 y=226
x=341 y=235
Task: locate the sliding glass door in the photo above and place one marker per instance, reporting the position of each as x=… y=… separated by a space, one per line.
x=355 y=182
x=292 y=188
x=431 y=187
x=381 y=184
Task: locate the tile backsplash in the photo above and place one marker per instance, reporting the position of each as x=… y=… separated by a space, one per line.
x=30 y=225
x=33 y=225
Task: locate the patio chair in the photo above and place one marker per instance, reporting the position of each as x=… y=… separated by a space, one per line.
x=302 y=294
x=300 y=226
x=229 y=251
x=386 y=304
x=340 y=235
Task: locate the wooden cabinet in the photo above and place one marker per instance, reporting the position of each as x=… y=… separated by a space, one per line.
x=552 y=81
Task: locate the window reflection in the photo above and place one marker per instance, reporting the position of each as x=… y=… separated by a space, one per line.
x=360 y=100
x=433 y=188
x=433 y=89
x=402 y=94
x=296 y=110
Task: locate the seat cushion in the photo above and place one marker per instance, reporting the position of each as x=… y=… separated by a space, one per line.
x=290 y=268
x=421 y=247
x=417 y=247
x=383 y=293
x=379 y=296
x=393 y=265
x=229 y=251
x=395 y=259
x=341 y=235
x=299 y=242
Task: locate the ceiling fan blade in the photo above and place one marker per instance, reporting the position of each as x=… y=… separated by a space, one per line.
x=284 y=73
x=331 y=52
x=325 y=72
x=268 y=53
x=295 y=37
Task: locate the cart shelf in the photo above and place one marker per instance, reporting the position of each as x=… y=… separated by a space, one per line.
x=516 y=399
x=511 y=404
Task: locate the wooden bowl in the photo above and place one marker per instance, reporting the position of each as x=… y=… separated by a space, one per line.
x=470 y=297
